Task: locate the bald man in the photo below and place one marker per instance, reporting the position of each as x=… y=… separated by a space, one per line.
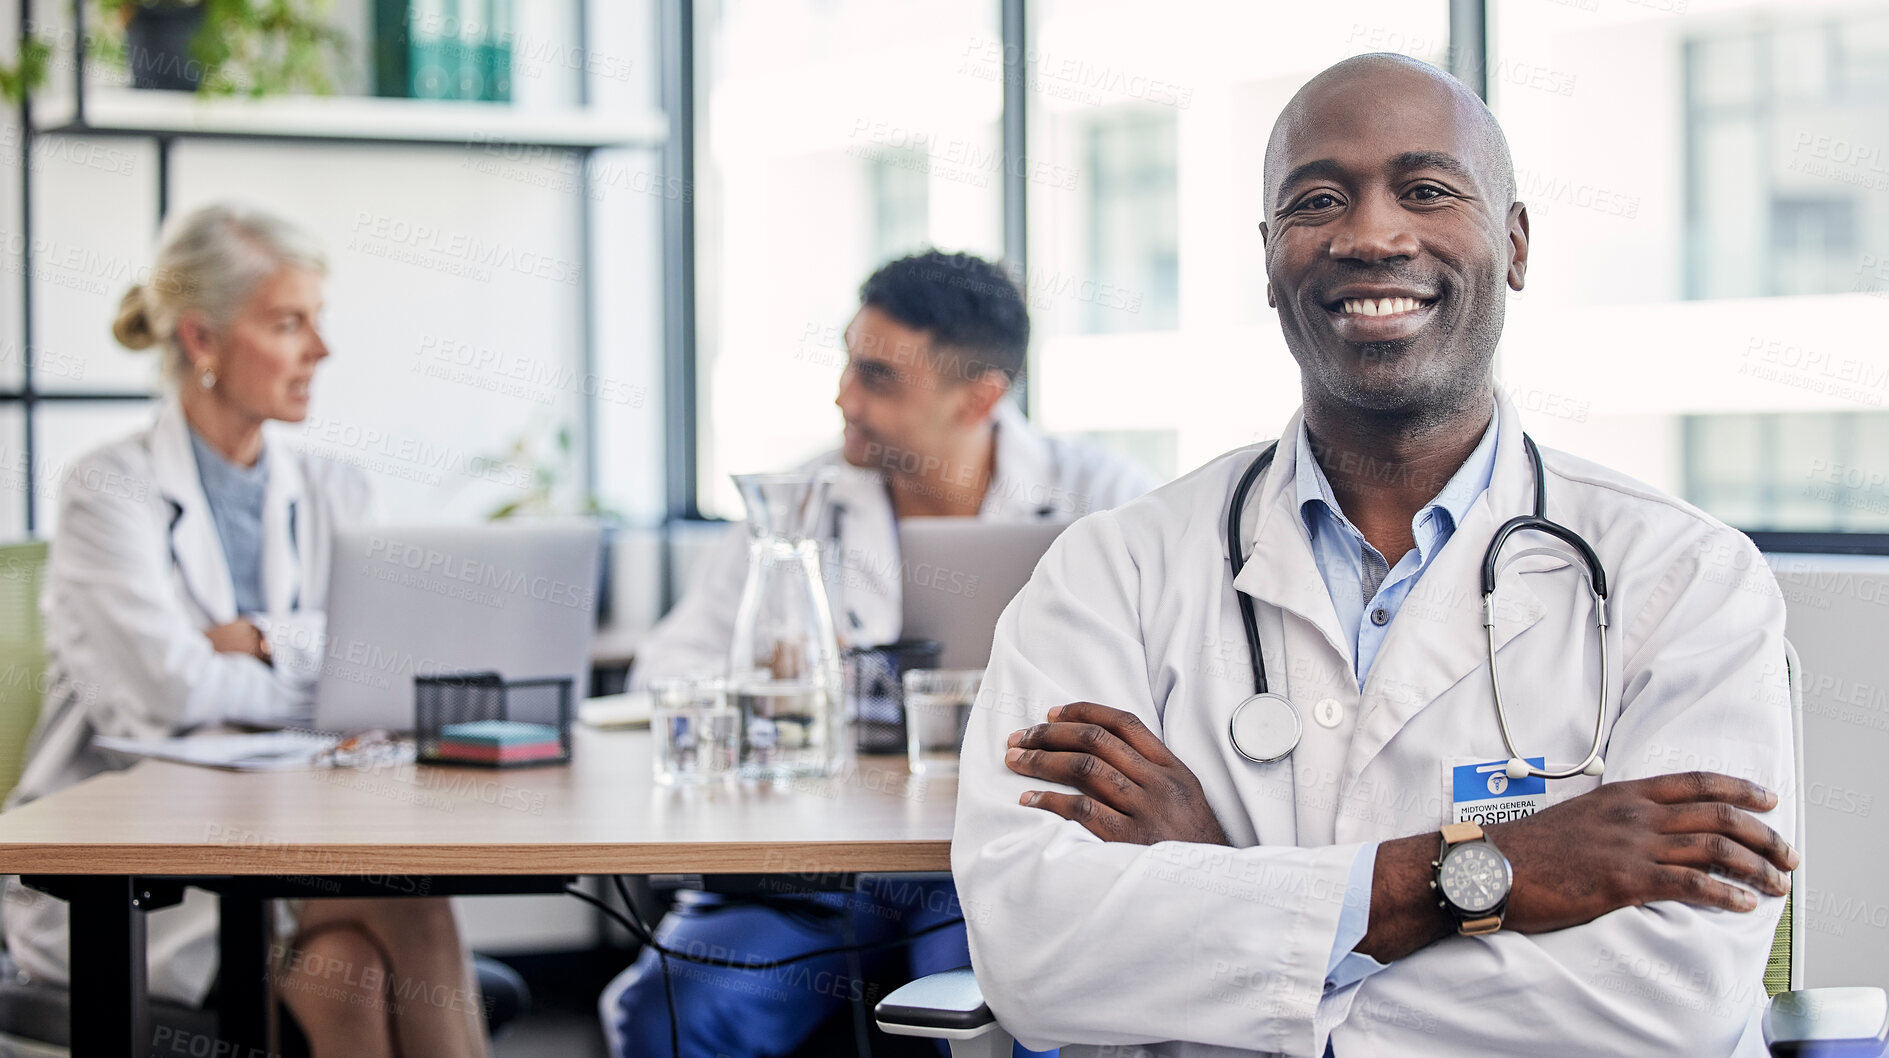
x=1139 y=868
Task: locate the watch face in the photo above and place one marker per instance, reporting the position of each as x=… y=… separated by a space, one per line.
x=1474 y=877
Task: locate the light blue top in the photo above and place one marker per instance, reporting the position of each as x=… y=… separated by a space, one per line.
x=1367 y=591
x=235 y=494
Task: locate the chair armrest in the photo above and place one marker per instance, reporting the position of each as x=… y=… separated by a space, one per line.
x=944 y=1006
x=1828 y=1023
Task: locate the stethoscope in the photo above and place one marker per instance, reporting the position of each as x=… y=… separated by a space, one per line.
x=1265 y=728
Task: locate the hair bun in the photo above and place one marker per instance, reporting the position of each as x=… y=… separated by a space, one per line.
x=133 y=328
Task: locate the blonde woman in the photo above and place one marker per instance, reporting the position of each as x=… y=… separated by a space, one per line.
x=186 y=588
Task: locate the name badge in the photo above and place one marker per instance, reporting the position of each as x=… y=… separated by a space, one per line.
x=1485 y=794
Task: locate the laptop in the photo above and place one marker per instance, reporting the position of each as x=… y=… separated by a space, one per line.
x=516 y=599
x=959 y=575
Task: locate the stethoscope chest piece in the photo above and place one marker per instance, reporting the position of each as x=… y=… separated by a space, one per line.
x=1265 y=728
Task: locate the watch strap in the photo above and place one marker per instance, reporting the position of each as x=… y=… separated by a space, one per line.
x=1476 y=927
x=1457 y=833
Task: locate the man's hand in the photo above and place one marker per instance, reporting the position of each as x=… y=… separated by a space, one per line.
x=1631 y=843
x=1671 y=837
x=1133 y=789
x=238 y=637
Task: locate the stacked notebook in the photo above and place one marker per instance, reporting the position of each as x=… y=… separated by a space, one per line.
x=499 y=742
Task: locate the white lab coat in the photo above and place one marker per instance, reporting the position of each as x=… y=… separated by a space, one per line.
x=1037 y=478
x=136 y=575
x=1077 y=941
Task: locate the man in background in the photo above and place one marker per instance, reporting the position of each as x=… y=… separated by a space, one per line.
x=931 y=431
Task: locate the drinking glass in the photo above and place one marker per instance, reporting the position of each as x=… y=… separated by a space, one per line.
x=698 y=736
x=937 y=706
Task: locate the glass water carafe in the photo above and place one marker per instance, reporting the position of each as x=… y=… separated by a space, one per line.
x=784 y=661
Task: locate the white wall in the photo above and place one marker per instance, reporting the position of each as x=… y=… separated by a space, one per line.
x=1837 y=609
x=455 y=310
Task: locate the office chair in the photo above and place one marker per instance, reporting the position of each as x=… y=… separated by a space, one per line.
x=35 y=1017
x=22 y=654
x=1798 y=1022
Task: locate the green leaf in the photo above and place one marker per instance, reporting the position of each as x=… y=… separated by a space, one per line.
x=247 y=47
x=27 y=74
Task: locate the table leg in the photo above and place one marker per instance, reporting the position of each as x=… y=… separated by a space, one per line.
x=111 y=1009
x=242 y=1001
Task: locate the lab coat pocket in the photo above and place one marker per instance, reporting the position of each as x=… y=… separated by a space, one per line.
x=1518 y=604
x=1543 y=559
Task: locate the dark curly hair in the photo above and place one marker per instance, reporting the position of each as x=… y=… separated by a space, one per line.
x=973 y=310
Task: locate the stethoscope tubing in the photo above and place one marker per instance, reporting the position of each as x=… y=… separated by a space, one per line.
x=1518 y=768
x=1237 y=558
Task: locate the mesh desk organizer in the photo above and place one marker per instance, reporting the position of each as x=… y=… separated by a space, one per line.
x=484 y=708
x=874 y=688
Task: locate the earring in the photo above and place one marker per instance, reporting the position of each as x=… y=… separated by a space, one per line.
x=207 y=380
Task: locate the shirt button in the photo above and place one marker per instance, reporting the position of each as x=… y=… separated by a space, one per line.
x=1328 y=712
x=1380 y=617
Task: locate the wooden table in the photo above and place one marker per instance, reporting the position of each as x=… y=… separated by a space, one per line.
x=124 y=843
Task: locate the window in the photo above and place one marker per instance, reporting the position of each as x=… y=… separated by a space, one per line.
x=1724 y=273
x=832 y=135
x=1703 y=310
x=1800 y=472
x=1134 y=220
x=900 y=198
x=1813 y=243
x=1147 y=132
x=1786 y=119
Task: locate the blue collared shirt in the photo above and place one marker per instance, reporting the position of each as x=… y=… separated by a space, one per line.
x=1367 y=591
x=236 y=500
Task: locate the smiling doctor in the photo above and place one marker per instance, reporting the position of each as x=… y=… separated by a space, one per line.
x=1143 y=869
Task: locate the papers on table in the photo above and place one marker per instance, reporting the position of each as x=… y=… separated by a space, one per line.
x=264 y=751
x=616 y=710
x=277 y=750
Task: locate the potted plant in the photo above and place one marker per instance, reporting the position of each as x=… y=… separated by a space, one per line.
x=27 y=72
x=223 y=47
x=541 y=476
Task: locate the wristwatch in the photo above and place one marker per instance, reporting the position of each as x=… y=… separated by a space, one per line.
x=1472 y=879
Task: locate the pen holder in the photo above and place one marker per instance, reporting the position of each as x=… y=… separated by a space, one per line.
x=480 y=718
x=875 y=694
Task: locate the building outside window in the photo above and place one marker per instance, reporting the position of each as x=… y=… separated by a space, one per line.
x=832 y=135
x=1709 y=197
x=1134 y=219
x=1787 y=119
